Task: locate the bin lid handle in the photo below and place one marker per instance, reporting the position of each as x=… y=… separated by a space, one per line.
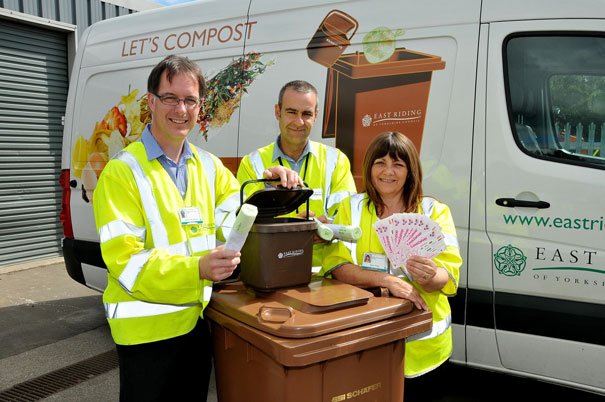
x=275 y=314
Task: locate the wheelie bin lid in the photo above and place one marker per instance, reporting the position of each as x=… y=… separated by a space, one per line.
x=321 y=307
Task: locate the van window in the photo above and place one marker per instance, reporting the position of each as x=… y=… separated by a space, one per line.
x=556 y=94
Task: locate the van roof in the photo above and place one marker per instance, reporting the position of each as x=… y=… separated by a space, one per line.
x=131 y=37
x=518 y=10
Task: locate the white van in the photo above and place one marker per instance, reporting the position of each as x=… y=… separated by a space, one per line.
x=505 y=100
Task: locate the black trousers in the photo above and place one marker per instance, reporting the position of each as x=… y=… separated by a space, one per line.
x=421 y=389
x=176 y=369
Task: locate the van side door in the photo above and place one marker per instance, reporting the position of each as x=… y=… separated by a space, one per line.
x=545 y=186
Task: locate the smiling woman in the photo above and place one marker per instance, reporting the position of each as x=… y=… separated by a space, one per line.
x=392 y=176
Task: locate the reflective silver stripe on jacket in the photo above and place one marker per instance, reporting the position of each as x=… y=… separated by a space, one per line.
x=224 y=214
x=334 y=199
x=450 y=240
x=257 y=164
x=181 y=248
x=134 y=309
x=133 y=269
x=439 y=328
x=209 y=170
x=329 y=198
x=119 y=228
x=356 y=201
x=202 y=243
x=193 y=245
x=427 y=206
x=158 y=229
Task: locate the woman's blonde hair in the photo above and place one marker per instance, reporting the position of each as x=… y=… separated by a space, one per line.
x=397 y=146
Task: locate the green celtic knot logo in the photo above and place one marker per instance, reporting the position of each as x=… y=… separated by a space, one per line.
x=510 y=261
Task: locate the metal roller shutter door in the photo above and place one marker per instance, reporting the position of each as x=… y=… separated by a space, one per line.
x=33 y=93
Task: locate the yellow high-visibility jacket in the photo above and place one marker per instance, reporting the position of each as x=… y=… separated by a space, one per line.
x=154 y=291
x=428 y=350
x=328 y=173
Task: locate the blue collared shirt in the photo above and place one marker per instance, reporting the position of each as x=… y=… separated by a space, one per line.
x=294 y=165
x=176 y=170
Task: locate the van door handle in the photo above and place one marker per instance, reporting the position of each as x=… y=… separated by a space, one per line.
x=512 y=203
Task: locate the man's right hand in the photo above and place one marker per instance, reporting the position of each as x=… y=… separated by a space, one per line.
x=288 y=177
x=218 y=264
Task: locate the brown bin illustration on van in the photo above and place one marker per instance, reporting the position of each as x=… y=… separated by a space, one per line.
x=369 y=94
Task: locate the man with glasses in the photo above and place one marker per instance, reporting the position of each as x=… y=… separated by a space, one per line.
x=158 y=205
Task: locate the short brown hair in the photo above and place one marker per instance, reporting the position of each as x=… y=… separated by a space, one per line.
x=299 y=86
x=397 y=146
x=175 y=65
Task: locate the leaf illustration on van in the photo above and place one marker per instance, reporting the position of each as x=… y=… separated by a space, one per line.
x=225 y=91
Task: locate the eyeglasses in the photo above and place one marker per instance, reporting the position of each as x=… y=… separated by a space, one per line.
x=190 y=102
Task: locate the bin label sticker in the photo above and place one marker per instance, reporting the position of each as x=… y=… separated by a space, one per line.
x=291 y=253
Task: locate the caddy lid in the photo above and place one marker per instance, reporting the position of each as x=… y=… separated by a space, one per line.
x=275 y=201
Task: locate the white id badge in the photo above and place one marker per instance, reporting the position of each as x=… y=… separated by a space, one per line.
x=375 y=262
x=190 y=216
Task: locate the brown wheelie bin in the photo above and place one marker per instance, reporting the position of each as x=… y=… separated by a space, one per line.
x=324 y=341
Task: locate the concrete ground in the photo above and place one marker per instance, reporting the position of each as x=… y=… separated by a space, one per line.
x=49 y=322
